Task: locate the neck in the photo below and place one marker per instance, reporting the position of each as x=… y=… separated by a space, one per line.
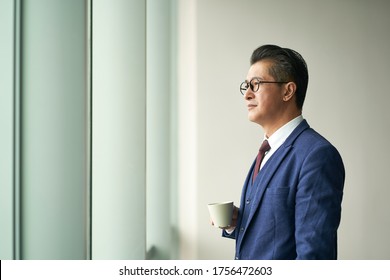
x=273 y=126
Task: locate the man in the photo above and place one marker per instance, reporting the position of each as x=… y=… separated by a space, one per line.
x=291 y=206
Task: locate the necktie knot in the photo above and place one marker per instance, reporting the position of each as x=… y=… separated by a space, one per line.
x=265 y=147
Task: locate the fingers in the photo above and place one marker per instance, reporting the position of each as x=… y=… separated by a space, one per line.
x=235 y=216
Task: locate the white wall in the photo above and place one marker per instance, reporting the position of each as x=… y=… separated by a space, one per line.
x=345 y=44
x=118 y=129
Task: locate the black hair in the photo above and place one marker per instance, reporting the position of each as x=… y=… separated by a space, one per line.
x=288 y=65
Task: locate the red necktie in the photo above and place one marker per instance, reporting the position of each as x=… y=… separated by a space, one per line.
x=265 y=147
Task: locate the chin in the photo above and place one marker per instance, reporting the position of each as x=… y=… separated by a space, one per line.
x=254 y=119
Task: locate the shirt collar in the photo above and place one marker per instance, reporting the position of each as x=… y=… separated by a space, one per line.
x=279 y=136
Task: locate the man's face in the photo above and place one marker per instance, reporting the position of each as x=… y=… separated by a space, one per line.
x=265 y=105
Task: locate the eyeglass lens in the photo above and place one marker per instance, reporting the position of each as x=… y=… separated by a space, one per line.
x=253 y=84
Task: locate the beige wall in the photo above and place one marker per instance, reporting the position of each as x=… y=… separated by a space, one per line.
x=345 y=44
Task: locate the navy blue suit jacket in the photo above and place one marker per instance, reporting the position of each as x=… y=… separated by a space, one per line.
x=292 y=210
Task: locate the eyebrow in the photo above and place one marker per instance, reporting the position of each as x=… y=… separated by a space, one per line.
x=260 y=78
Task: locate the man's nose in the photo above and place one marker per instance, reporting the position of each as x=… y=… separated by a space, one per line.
x=249 y=94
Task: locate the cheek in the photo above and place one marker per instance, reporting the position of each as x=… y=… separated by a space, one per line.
x=270 y=102
x=263 y=102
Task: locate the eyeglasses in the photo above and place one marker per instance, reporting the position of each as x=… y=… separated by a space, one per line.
x=254 y=85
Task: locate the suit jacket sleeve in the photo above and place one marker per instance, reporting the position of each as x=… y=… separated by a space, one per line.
x=318 y=204
x=231 y=235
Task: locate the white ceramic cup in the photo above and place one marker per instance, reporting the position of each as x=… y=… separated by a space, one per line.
x=221 y=213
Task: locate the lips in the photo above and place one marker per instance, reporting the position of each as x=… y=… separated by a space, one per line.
x=251 y=106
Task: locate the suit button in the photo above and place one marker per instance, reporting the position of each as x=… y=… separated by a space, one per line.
x=236 y=258
x=248 y=201
x=242 y=229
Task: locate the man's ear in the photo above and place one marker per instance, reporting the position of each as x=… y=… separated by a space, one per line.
x=290 y=89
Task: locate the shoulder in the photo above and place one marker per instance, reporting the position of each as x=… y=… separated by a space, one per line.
x=311 y=137
x=306 y=140
x=304 y=134
x=315 y=149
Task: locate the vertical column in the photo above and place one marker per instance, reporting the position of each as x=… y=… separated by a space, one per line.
x=159 y=233
x=6 y=128
x=119 y=129
x=187 y=128
x=54 y=125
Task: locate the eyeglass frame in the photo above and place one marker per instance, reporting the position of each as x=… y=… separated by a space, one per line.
x=249 y=84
